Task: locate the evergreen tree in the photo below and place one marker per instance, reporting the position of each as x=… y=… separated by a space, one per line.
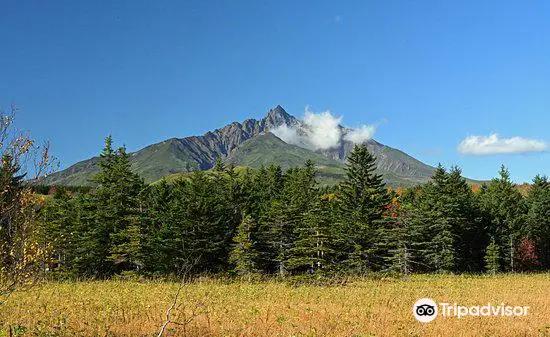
x=492 y=257
x=363 y=199
x=161 y=240
x=219 y=166
x=442 y=254
x=110 y=219
x=244 y=255
x=57 y=230
x=267 y=186
x=538 y=218
x=91 y=240
x=201 y=214
x=404 y=239
x=125 y=194
x=274 y=183
x=453 y=231
x=470 y=233
x=505 y=210
x=286 y=216
x=243 y=193
x=314 y=249
x=276 y=239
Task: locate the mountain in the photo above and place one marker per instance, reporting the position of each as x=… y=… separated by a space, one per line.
x=180 y=154
x=249 y=143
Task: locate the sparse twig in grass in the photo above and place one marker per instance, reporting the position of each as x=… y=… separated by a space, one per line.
x=185 y=272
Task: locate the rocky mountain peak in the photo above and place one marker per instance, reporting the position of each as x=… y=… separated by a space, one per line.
x=278 y=116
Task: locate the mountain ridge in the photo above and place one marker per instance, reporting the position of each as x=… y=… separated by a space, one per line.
x=194 y=153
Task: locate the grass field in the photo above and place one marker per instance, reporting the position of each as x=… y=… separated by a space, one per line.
x=215 y=308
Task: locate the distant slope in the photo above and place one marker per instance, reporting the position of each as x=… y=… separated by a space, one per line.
x=389 y=160
x=78 y=174
x=151 y=163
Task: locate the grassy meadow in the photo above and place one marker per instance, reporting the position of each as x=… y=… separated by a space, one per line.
x=381 y=307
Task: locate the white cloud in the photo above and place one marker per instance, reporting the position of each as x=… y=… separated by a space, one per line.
x=291 y=135
x=493 y=144
x=360 y=135
x=321 y=131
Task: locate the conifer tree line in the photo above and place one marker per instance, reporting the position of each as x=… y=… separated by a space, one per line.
x=270 y=221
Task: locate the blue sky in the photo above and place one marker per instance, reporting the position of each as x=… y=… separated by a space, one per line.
x=431 y=73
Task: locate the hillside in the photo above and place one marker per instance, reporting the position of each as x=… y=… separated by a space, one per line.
x=267 y=148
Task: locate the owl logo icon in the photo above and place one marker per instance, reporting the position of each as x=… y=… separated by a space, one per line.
x=425 y=310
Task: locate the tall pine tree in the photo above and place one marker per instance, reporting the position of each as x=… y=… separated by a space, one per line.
x=505 y=210
x=244 y=254
x=364 y=197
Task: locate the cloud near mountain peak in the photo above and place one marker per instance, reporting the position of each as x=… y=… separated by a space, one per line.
x=321 y=131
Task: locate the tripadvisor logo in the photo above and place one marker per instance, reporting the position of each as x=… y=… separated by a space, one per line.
x=426 y=310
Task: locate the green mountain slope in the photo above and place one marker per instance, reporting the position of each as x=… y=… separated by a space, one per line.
x=151 y=163
x=267 y=149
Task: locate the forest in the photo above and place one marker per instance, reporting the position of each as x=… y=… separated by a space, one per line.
x=267 y=221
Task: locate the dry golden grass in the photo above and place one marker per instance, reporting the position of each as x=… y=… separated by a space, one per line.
x=362 y=308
